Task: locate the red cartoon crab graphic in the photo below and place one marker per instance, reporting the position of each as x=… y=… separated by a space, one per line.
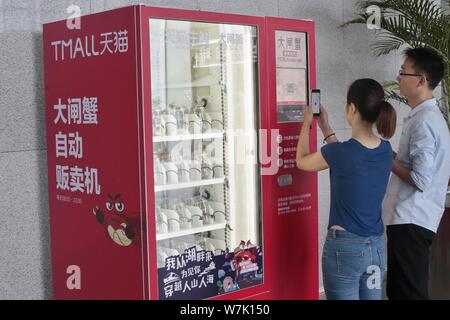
x=123 y=229
x=245 y=258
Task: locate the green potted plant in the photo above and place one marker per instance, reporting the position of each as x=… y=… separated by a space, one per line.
x=416 y=23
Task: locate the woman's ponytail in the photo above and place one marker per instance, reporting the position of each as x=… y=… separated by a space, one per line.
x=387 y=120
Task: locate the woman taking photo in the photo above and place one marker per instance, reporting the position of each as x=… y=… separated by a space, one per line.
x=353 y=260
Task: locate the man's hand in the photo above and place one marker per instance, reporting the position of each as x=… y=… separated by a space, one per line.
x=394 y=154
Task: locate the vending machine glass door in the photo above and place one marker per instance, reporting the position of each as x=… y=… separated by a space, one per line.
x=205 y=98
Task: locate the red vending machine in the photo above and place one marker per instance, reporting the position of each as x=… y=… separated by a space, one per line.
x=171 y=156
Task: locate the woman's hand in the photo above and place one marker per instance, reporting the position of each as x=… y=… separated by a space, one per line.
x=306 y=161
x=323 y=123
x=307 y=115
x=323 y=118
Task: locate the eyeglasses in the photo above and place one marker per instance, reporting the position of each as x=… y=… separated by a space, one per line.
x=401 y=73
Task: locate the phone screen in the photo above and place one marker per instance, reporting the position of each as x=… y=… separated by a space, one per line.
x=315 y=101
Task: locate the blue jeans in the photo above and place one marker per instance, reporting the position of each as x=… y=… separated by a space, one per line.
x=353 y=266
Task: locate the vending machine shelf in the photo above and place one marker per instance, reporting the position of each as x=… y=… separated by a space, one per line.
x=187 y=137
x=169 y=187
x=170 y=235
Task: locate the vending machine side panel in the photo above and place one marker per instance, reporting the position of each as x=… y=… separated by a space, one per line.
x=294 y=209
x=92 y=111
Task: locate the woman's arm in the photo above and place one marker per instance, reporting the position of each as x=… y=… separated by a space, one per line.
x=324 y=125
x=305 y=160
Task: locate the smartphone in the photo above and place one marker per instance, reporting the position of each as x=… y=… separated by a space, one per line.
x=315 y=101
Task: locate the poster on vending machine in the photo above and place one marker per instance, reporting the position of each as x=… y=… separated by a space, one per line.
x=292 y=75
x=201 y=274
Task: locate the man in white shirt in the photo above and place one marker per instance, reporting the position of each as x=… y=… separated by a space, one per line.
x=415 y=197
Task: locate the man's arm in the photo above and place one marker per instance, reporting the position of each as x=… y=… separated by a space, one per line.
x=403 y=173
x=421 y=153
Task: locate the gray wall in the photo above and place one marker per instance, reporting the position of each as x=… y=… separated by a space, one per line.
x=343 y=55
